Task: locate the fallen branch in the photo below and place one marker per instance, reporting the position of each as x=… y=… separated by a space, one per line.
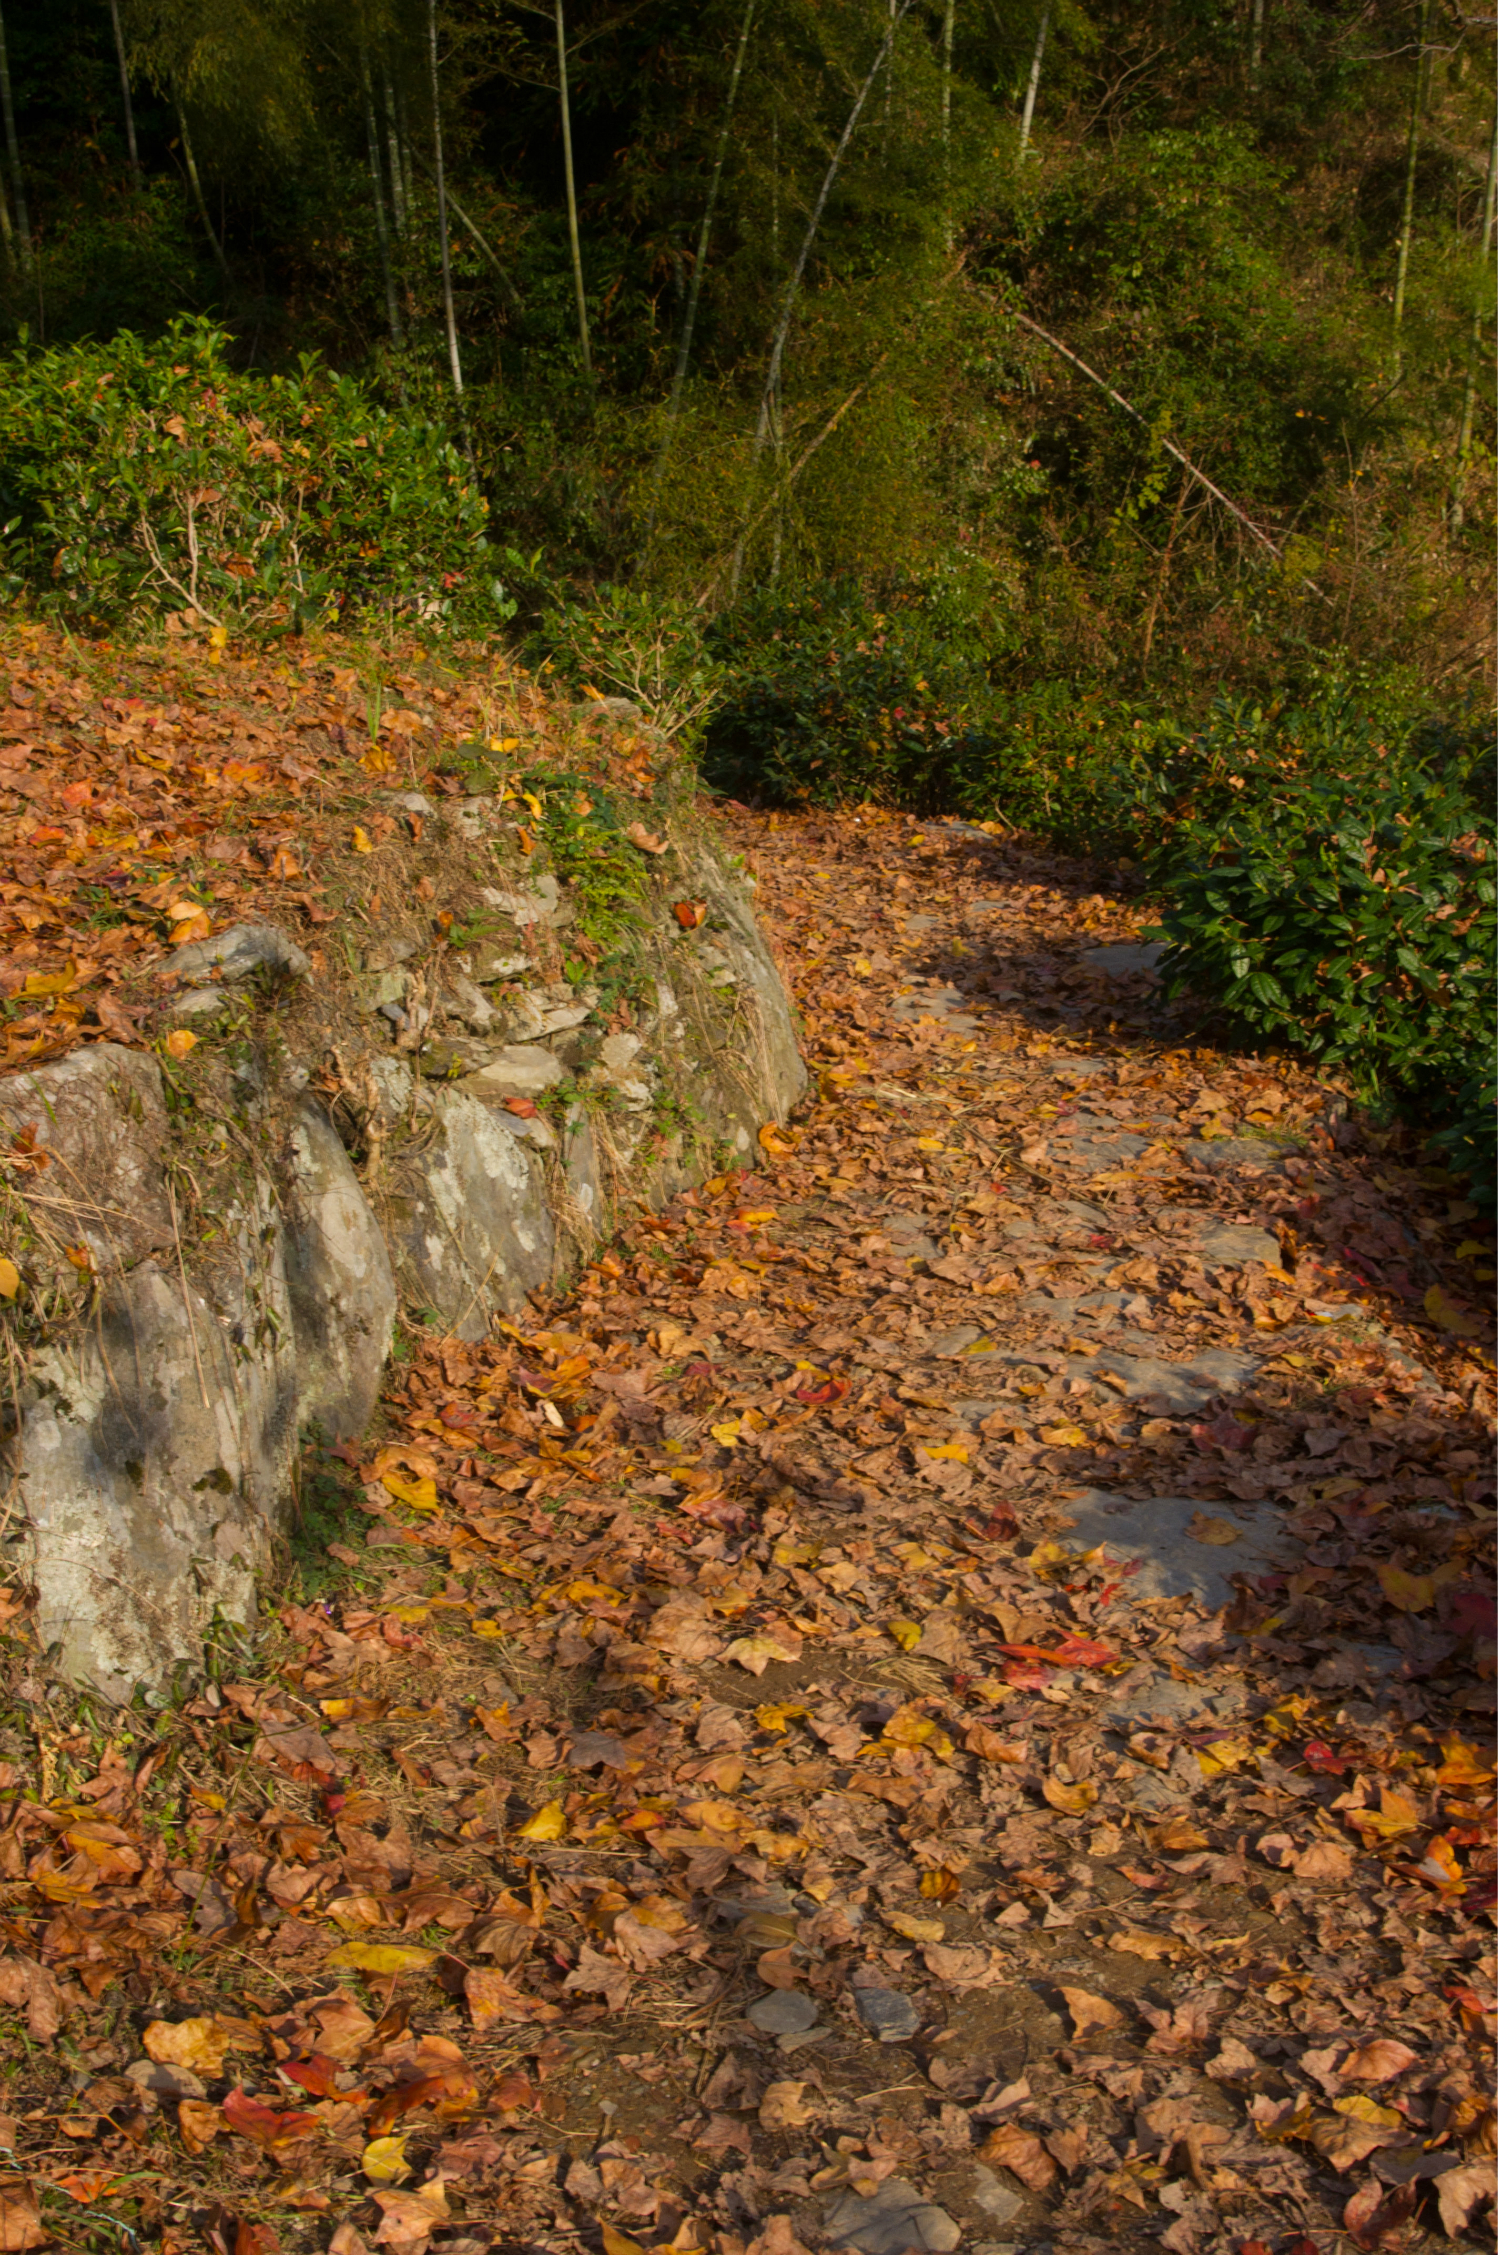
x=1169 y=445
x=783 y=485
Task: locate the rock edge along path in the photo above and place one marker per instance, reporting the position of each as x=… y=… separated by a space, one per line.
x=941 y=1699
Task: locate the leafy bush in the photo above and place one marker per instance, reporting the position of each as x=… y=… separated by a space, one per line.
x=647 y=648
x=1332 y=892
x=138 y=477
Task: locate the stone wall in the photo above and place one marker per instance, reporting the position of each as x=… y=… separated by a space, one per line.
x=180 y=1344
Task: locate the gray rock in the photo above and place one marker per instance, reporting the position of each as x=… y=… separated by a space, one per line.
x=488 y=961
x=199 y=1002
x=469 y=1224
x=1155 y=1699
x=520 y=1069
x=886 y=2014
x=996 y=2200
x=1224 y=1245
x=1182 y=1386
x=921 y=923
x=1078 y=1068
x=101 y=1115
x=619 y=1052
x=470 y=1002
x=986 y=907
x=1125 y=957
x=1224 y=1153
x=155 y=1461
x=411 y=802
x=1160 y=1557
x=237 y=952
x=377 y=990
x=897 y=2220
x=338 y=1280
x=784 y=2013
x=961 y=1340
x=542 y=902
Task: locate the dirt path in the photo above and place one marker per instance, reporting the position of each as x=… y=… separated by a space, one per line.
x=941 y=1699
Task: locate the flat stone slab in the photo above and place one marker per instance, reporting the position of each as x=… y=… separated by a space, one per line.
x=1161 y=1557
x=1157 y=1698
x=238 y=951
x=522 y=1069
x=1123 y=958
x=1098 y=1155
x=1227 y=1245
x=1078 y=1068
x=1185 y=1386
x=1225 y=1152
x=784 y=2013
x=897 y=2217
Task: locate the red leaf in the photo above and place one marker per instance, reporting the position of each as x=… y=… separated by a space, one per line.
x=252 y=2119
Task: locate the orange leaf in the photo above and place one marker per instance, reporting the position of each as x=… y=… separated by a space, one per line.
x=689 y=914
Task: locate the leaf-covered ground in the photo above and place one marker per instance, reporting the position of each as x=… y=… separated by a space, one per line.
x=942 y=1698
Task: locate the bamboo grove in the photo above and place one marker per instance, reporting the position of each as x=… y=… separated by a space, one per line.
x=1166 y=325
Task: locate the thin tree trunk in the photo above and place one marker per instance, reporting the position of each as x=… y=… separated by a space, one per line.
x=393 y=150
x=572 y=234
x=454 y=358
x=377 y=191
x=793 y=286
x=1200 y=476
x=1027 y=117
x=191 y=163
x=1164 y=574
x=119 y=48
x=13 y=152
x=689 y=323
x=1255 y=45
x=1474 y=349
x=7 y=232
x=482 y=241
x=948 y=27
x=1407 y=217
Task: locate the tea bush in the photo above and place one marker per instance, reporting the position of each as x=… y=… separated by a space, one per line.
x=136 y=478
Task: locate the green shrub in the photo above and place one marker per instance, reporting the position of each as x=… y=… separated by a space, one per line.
x=1330 y=892
x=139 y=477
x=650 y=649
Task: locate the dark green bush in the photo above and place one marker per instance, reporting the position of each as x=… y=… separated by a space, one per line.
x=1330 y=892
x=140 y=477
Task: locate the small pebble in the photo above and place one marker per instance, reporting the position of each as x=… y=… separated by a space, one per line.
x=886 y=2014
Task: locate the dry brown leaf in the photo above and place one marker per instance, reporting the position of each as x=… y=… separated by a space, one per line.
x=1088 y=2011
x=1021 y=2152
x=1377 y=2061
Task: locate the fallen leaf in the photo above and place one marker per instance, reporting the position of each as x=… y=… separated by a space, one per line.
x=384 y=2161
x=179 y=1042
x=1021 y=2152
x=1378 y=2060
x=1202 y=1527
x=10 y=1279
x=382 y=1958
x=1074 y=1799
x=363 y=843
x=1089 y=2011
x=1138 y=1942
x=689 y=914
x=647 y=842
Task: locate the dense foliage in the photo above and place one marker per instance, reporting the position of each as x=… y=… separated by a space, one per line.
x=134 y=480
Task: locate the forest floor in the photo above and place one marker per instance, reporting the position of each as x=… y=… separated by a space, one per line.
x=941 y=1698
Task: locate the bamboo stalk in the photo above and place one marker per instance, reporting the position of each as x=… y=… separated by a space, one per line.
x=1027 y=117
x=454 y=357
x=1474 y=348
x=571 y=181
x=191 y=164
x=119 y=48
x=689 y=323
x=377 y=191
x=1411 y=168
x=13 y=153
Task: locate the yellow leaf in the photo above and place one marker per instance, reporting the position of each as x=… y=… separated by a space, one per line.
x=728 y=1433
x=179 y=1042
x=1202 y=1527
x=421 y=1495
x=1462 y=1764
x=906 y=1634
x=363 y=843
x=616 y=2243
x=1366 y=2110
x=548 y=1824
x=199 y=2044
x=956 y=1450
x=1411 y=1594
x=1450 y=1317
x=777 y=1715
x=756 y=1653
x=50 y=982
x=381 y=1958
x=1064 y=1437
x=1073 y=1799
x=913 y=1928
x=486 y=1627
x=196 y=925
x=384 y=2160
x=929 y=1144
x=10 y=1279
x=754 y=1217
x=772 y=1141
x=1223 y=1754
